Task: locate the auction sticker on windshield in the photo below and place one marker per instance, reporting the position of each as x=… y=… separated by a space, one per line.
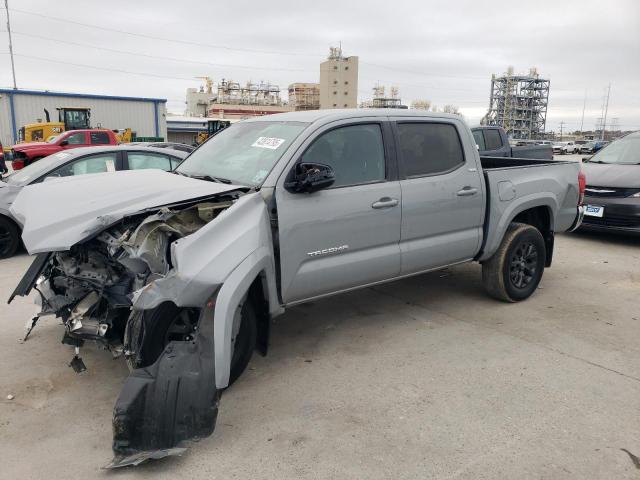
x=268 y=142
x=594 y=211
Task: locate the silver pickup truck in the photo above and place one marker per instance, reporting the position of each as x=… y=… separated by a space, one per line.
x=180 y=273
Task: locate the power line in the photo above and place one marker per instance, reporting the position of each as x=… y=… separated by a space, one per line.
x=117 y=70
x=164 y=39
x=414 y=72
x=157 y=57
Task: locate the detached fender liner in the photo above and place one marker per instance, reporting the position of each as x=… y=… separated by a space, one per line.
x=31 y=276
x=164 y=406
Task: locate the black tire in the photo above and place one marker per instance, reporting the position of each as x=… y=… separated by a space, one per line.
x=9 y=238
x=168 y=322
x=245 y=342
x=515 y=270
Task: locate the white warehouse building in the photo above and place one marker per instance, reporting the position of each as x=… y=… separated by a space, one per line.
x=145 y=116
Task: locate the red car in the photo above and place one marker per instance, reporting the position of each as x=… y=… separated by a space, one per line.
x=23 y=154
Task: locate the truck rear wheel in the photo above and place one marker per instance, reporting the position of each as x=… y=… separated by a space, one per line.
x=515 y=270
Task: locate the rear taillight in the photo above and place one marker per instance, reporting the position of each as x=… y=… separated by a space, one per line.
x=582 y=185
x=17 y=164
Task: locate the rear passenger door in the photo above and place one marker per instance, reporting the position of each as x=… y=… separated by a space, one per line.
x=99 y=138
x=442 y=194
x=347 y=235
x=493 y=144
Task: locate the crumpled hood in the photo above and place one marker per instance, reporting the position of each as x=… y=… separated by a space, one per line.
x=59 y=213
x=619 y=176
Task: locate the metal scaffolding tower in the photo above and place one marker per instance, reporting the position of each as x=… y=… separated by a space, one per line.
x=518 y=103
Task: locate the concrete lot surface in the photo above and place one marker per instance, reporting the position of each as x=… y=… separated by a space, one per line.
x=424 y=378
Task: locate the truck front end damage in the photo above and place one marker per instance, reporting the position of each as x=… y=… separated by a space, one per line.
x=170 y=397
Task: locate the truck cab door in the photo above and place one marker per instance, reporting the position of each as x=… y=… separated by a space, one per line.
x=348 y=234
x=494 y=145
x=78 y=139
x=442 y=193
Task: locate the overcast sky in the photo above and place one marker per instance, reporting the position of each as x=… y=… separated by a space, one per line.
x=444 y=51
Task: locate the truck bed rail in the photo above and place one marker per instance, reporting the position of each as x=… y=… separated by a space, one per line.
x=492 y=163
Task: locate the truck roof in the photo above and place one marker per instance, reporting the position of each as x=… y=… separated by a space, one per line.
x=343 y=114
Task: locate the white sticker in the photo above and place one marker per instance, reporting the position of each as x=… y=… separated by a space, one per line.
x=111 y=167
x=268 y=142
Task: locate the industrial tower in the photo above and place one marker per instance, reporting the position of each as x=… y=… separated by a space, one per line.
x=518 y=103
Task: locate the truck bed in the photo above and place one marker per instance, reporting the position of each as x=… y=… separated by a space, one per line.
x=517 y=184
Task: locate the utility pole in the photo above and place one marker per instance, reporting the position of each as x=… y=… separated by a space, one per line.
x=584 y=104
x=13 y=66
x=606 y=109
x=561 y=129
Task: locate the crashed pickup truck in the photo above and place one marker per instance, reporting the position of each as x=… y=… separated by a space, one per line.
x=180 y=273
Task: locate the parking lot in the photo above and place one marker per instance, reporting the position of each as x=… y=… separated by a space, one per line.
x=427 y=377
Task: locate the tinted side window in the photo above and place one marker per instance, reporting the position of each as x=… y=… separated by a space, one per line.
x=429 y=148
x=102 y=162
x=356 y=154
x=479 y=138
x=142 y=160
x=100 y=138
x=77 y=139
x=492 y=139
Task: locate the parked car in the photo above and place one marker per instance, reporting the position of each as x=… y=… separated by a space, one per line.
x=612 y=196
x=23 y=154
x=183 y=271
x=492 y=141
x=588 y=147
x=71 y=163
x=564 y=148
x=171 y=145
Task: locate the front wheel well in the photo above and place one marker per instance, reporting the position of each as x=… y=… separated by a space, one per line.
x=539 y=217
x=258 y=296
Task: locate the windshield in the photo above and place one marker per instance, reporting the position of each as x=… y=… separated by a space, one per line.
x=37 y=169
x=53 y=139
x=625 y=151
x=243 y=153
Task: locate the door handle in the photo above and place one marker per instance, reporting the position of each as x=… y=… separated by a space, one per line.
x=467 y=192
x=385 y=202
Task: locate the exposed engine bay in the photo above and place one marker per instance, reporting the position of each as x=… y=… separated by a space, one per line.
x=91 y=286
x=166 y=288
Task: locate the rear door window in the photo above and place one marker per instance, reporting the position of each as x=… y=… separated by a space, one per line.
x=145 y=160
x=100 y=138
x=429 y=148
x=492 y=139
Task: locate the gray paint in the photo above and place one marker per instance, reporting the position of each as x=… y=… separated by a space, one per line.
x=229 y=253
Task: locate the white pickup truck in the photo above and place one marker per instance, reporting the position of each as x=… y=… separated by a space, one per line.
x=181 y=272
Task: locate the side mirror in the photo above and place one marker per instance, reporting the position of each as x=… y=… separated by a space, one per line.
x=64 y=143
x=309 y=178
